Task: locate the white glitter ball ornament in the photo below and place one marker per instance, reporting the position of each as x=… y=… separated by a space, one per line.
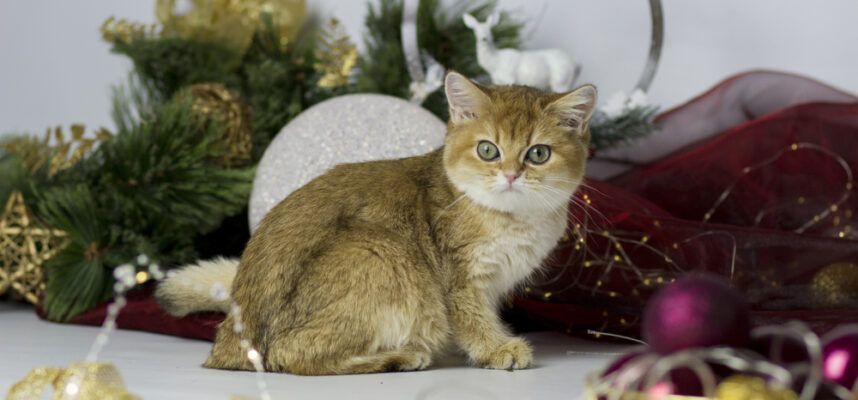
x=351 y=128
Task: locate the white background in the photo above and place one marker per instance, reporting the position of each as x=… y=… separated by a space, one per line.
x=56 y=70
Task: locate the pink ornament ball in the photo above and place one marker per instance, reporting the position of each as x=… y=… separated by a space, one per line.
x=696 y=311
x=840 y=360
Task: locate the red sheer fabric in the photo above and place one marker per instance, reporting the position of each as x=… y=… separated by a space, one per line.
x=767 y=203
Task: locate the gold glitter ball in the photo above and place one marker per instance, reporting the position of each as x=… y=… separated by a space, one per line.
x=746 y=387
x=836 y=284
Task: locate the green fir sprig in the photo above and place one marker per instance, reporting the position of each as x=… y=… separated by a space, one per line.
x=150 y=189
x=633 y=123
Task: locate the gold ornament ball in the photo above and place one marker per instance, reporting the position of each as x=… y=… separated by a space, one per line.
x=215 y=102
x=746 y=387
x=836 y=284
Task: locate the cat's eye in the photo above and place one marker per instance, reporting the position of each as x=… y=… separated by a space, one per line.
x=538 y=154
x=487 y=150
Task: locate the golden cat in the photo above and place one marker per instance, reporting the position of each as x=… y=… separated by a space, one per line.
x=378 y=266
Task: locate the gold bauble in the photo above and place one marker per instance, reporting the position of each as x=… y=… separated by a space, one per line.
x=215 y=102
x=835 y=284
x=24 y=248
x=746 y=387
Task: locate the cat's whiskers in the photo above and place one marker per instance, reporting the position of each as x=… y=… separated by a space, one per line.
x=579 y=182
x=586 y=208
x=542 y=196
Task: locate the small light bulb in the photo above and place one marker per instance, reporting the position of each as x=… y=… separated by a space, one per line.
x=72 y=389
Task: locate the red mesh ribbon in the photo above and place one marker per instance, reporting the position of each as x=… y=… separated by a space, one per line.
x=646 y=228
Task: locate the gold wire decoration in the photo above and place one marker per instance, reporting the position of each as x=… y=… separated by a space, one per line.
x=591 y=268
x=24 y=248
x=818 y=217
x=233 y=22
x=214 y=101
x=81 y=380
x=37 y=153
x=336 y=56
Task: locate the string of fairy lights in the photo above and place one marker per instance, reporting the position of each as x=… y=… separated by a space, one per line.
x=818 y=217
x=612 y=257
x=126 y=279
x=612 y=260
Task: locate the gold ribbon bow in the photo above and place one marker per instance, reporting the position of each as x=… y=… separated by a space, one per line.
x=81 y=380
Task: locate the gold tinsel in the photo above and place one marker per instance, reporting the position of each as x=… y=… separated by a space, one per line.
x=35 y=153
x=336 y=57
x=835 y=285
x=214 y=101
x=746 y=387
x=233 y=22
x=114 y=30
x=24 y=248
x=81 y=380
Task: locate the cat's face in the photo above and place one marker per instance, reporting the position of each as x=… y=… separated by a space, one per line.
x=516 y=149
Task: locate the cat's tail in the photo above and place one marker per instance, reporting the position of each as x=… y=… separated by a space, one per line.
x=198 y=287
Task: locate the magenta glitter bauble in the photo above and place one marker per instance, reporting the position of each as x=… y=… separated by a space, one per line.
x=840 y=360
x=696 y=311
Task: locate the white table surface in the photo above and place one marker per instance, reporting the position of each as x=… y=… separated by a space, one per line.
x=158 y=366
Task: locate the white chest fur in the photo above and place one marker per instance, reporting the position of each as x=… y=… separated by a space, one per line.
x=514 y=250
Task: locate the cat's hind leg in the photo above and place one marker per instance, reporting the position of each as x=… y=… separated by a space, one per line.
x=376 y=308
x=227 y=352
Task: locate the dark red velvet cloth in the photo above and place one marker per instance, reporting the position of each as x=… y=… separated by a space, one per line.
x=143 y=313
x=640 y=231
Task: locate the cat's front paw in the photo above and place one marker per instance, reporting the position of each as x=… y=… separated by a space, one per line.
x=514 y=354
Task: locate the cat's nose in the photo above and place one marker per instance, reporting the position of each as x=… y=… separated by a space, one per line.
x=511 y=176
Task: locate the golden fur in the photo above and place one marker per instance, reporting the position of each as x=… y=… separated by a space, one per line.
x=378 y=266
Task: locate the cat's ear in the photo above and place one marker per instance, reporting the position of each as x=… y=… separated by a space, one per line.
x=466 y=99
x=576 y=107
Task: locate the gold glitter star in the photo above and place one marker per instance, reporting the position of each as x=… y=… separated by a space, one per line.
x=24 y=248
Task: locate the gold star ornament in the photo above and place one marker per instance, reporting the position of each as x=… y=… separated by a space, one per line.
x=24 y=248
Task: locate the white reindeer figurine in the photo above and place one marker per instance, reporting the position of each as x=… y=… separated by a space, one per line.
x=549 y=69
